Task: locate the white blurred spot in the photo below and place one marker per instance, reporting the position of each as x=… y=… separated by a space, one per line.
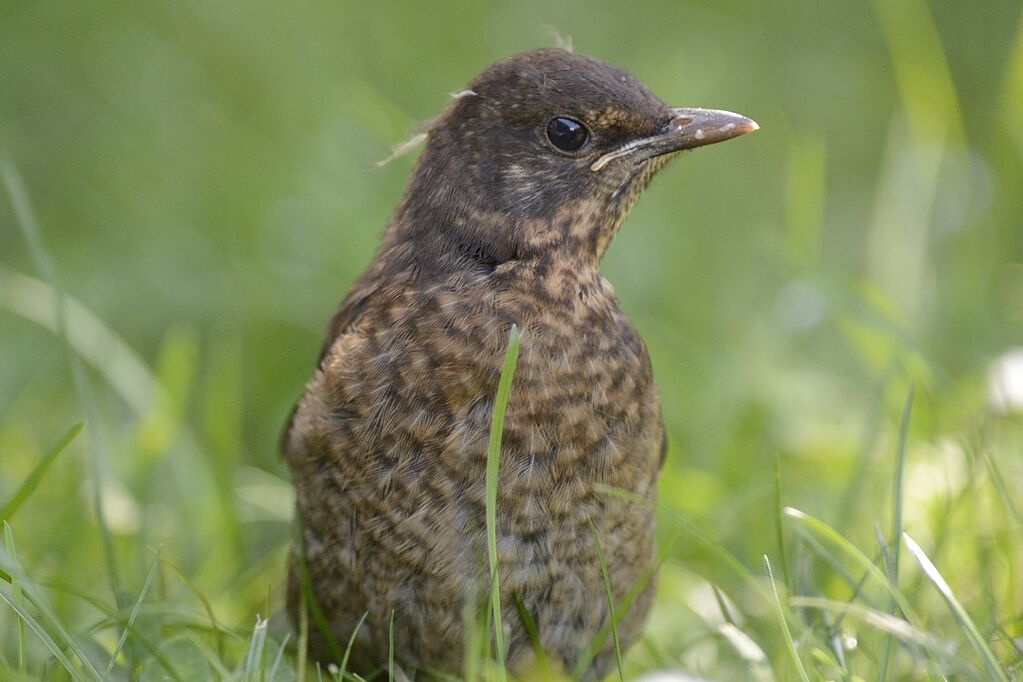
x=800 y=306
x=1005 y=382
x=935 y=473
x=120 y=510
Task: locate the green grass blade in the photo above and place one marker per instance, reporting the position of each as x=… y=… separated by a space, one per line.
x=817 y=528
x=25 y=218
x=351 y=643
x=703 y=538
x=1003 y=491
x=717 y=549
x=897 y=489
x=254 y=664
x=511 y=357
x=390 y=648
x=895 y=626
x=719 y=597
x=47 y=616
x=435 y=675
x=783 y=622
x=637 y=588
x=36 y=627
x=278 y=658
x=303 y=634
x=216 y=626
x=114 y=617
x=532 y=634
x=612 y=613
x=16 y=588
x=973 y=634
x=313 y=605
x=34 y=478
x=134 y=615
x=853 y=493
x=779 y=525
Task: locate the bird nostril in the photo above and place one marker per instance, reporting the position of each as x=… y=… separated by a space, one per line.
x=680 y=122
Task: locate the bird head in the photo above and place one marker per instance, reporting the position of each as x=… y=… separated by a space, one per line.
x=545 y=153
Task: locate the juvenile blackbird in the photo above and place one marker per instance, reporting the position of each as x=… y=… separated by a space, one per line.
x=524 y=180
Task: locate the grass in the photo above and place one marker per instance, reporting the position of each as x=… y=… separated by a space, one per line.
x=824 y=307
x=511 y=358
x=905 y=639
x=613 y=613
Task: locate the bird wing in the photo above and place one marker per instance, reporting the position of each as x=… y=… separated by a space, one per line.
x=347 y=314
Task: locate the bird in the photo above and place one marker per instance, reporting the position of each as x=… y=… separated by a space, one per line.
x=524 y=180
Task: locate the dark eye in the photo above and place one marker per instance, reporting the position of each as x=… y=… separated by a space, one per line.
x=567 y=134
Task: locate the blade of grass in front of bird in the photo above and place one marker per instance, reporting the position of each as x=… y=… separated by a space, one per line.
x=351 y=642
x=715 y=548
x=16 y=588
x=532 y=634
x=474 y=618
x=303 y=635
x=34 y=478
x=390 y=648
x=786 y=633
x=893 y=567
x=973 y=634
x=612 y=613
x=637 y=588
x=313 y=605
x=134 y=614
x=511 y=357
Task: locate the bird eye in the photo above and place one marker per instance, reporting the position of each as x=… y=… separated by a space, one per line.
x=567 y=134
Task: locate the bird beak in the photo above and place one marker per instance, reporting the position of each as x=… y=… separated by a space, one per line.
x=687 y=129
x=691 y=128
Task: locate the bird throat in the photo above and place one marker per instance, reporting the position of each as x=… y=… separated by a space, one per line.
x=471 y=234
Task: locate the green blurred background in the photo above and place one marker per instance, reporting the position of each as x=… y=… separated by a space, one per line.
x=203 y=177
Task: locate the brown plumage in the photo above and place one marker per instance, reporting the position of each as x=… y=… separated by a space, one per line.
x=524 y=181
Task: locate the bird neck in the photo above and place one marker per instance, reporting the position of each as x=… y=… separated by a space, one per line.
x=458 y=232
